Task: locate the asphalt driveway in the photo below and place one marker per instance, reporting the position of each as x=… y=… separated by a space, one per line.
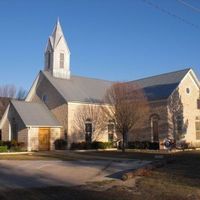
x=42 y=173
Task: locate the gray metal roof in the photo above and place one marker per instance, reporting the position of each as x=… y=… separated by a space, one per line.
x=84 y=89
x=161 y=86
x=80 y=89
x=35 y=114
x=163 y=79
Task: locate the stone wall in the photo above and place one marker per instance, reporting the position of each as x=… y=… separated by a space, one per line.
x=55 y=133
x=78 y=136
x=33 y=139
x=5 y=131
x=188 y=92
x=143 y=131
x=22 y=135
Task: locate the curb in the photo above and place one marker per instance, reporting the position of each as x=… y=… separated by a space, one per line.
x=147 y=169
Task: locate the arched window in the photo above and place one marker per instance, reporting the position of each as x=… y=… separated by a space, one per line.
x=14 y=129
x=111 y=130
x=179 y=124
x=88 y=130
x=154 y=127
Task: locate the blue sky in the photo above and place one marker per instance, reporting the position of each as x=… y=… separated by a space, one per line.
x=109 y=39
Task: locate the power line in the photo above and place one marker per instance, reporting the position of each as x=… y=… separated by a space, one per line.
x=189 y=5
x=150 y=3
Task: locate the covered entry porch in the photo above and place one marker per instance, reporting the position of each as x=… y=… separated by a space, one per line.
x=31 y=124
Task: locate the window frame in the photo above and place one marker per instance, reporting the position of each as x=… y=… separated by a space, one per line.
x=88 y=131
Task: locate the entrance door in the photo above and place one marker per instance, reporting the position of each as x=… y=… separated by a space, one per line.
x=44 y=139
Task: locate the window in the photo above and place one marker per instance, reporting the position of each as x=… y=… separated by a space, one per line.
x=198 y=103
x=111 y=129
x=44 y=98
x=188 y=90
x=197 y=126
x=88 y=131
x=48 y=59
x=0 y=134
x=14 y=129
x=110 y=137
x=61 y=60
x=65 y=135
x=154 y=127
x=179 y=123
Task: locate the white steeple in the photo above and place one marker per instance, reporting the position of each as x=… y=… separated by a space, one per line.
x=57 y=54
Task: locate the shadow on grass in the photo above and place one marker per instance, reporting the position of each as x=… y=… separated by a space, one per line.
x=19 y=184
x=186 y=169
x=59 y=193
x=179 y=180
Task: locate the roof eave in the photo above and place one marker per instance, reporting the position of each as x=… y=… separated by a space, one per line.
x=32 y=89
x=43 y=126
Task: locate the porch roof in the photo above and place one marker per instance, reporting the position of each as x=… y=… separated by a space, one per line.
x=35 y=114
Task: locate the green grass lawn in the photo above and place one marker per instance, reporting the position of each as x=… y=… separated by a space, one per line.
x=178 y=181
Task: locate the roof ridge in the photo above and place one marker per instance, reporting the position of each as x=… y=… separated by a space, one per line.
x=186 y=69
x=98 y=79
x=85 y=77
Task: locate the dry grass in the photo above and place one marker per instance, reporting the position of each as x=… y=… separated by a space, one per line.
x=40 y=156
x=179 y=180
x=23 y=157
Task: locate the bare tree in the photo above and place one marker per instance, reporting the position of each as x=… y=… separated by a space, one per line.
x=89 y=114
x=177 y=126
x=10 y=91
x=21 y=94
x=4 y=101
x=127 y=106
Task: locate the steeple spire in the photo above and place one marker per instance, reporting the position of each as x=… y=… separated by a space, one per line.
x=57 y=54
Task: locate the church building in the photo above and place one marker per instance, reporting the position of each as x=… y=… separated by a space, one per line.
x=54 y=100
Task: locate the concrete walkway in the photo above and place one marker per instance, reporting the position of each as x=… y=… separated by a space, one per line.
x=27 y=173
